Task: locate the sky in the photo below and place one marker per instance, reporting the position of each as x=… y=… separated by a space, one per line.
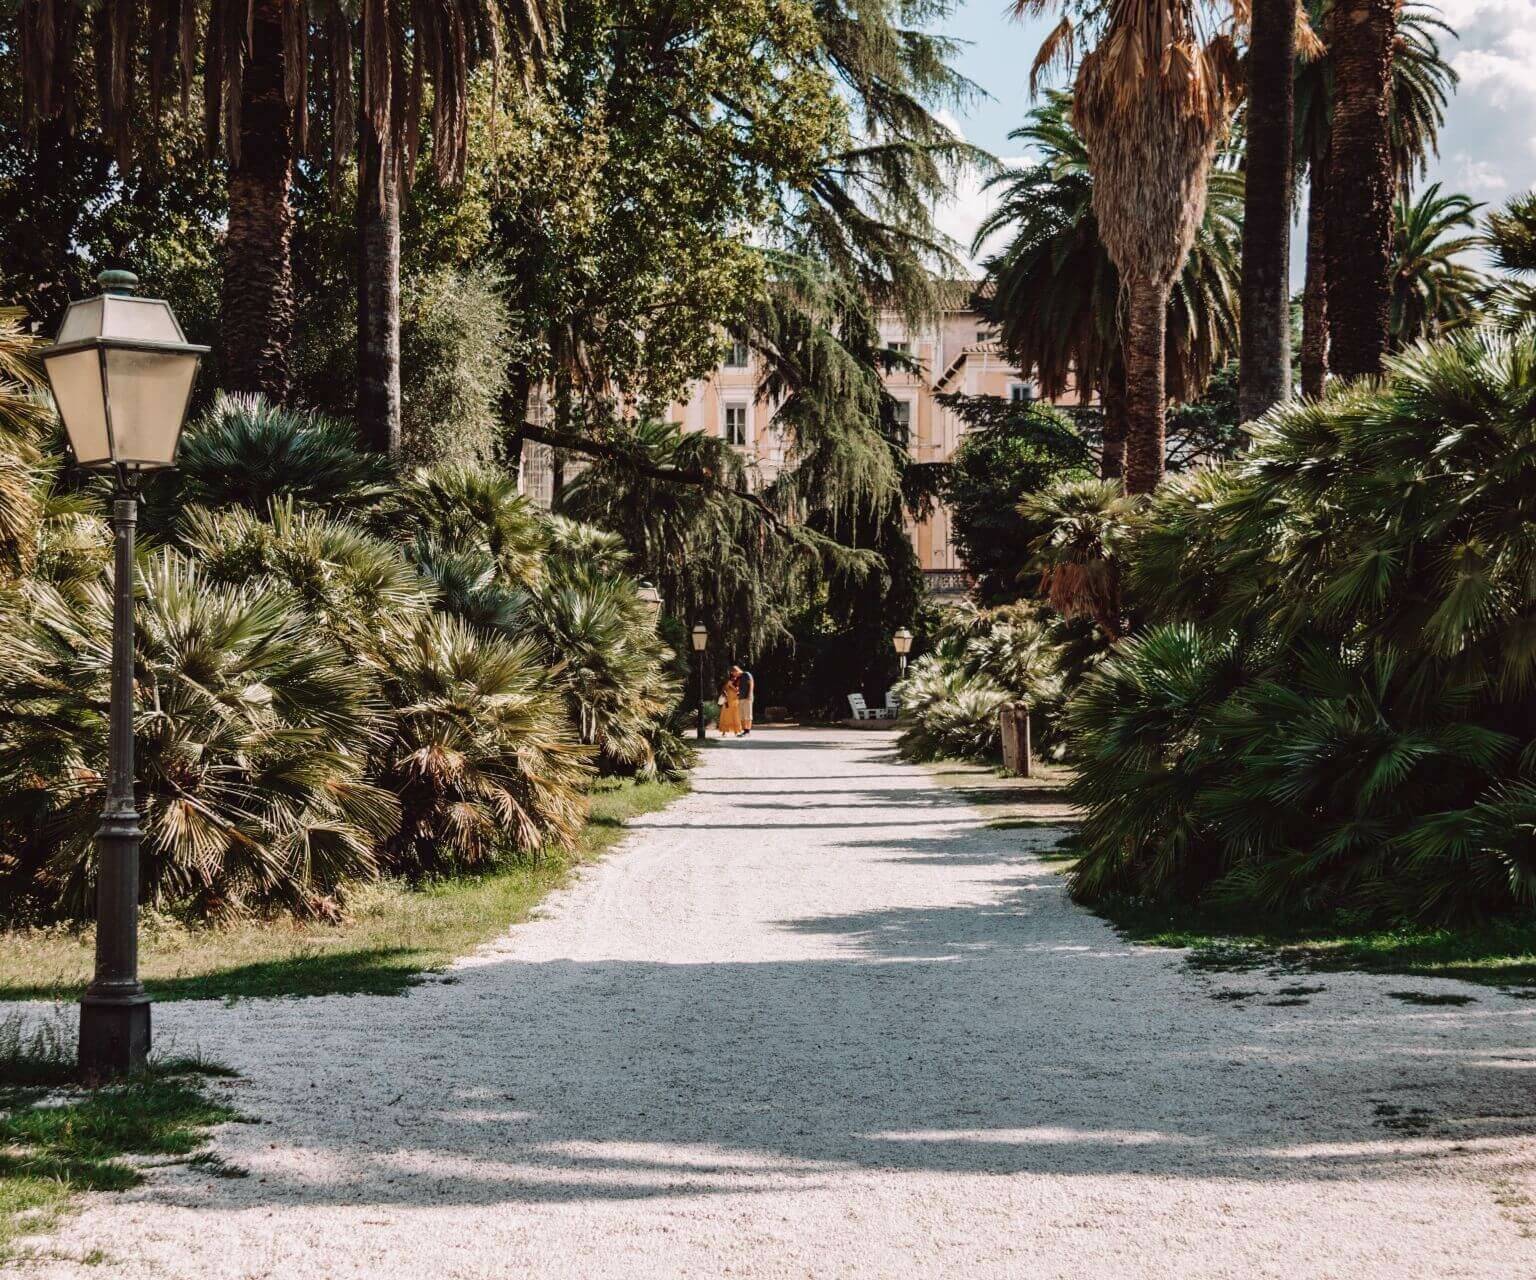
x=1487 y=148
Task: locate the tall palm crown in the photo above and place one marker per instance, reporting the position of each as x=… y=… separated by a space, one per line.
x=1510 y=239
x=1153 y=96
x=1053 y=288
x=261 y=63
x=1432 y=290
x=1422 y=84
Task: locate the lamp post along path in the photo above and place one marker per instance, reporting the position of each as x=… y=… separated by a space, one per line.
x=700 y=637
x=902 y=641
x=121 y=373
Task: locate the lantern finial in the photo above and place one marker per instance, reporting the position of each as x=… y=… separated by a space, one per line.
x=118 y=282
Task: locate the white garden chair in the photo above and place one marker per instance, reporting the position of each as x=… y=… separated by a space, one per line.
x=863 y=711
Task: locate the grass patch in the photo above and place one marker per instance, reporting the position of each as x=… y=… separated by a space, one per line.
x=393 y=936
x=57 y=1139
x=1499 y=953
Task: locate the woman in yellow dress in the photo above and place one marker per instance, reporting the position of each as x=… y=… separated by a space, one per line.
x=730 y=707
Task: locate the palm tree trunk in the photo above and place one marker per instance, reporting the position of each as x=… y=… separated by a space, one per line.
x=378 y=291
x=256 y=302
x=1314 y=297
x=1360 y=186
x=1145 y=401
x=1264 y=370
x=1112 y=397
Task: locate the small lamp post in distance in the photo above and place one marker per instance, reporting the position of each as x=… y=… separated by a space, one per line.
x=700 y=637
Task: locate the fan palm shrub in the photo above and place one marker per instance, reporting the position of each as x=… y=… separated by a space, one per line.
x=1078 y=555
x=249 y=451
x=954 y=712
x=482 y=755
x=980 y=660
x=252 y=736
x=610 y=665
x=1336 y=705
x=468 y=506
x=355 y=584
x=22 y=418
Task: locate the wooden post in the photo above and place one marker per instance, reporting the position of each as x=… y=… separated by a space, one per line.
x=1013 y=721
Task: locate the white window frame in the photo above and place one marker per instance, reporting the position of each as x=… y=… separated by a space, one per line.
x=746 y=422
x=1026 y=387
x=911 y=404
x=735 y=349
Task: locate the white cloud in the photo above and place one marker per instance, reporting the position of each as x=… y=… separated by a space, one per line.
x=1479 y=177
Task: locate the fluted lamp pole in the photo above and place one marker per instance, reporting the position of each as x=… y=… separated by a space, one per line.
x=121 y=372
x=700 y=637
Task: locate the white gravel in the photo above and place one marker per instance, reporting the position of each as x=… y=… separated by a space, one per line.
x=818 y=1019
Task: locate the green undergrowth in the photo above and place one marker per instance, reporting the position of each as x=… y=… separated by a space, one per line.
x=58 y=1139
x=394 y=934
x=1496 y=953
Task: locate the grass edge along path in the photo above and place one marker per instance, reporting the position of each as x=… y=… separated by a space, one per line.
x=394 y=936
x=58 y=1139
x=1499 y=953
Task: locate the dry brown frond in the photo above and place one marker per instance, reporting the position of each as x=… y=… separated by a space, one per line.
x=1309 y=45
x=1058 y=49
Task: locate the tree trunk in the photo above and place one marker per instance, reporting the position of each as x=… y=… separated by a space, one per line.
x=256 y=303
x=1264 y=370
x=1360 y=188
x=1314 y=297
x=378 y=291
x=1112 y=398
x=1145 y=401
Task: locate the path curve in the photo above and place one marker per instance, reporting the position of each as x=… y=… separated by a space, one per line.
x=819 y=1019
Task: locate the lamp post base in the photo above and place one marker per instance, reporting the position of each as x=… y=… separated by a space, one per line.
x=114 y=1034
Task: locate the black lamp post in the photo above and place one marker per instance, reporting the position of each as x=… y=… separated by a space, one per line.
x=700 y=636
x=121 y=373
x=903 y=642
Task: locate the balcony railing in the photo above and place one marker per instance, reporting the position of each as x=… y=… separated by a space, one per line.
x=947 y=582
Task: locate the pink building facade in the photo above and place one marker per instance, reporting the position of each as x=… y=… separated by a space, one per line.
x=956 y=351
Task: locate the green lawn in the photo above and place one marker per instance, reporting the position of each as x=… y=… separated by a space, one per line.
x=1499 y=953
x=57 y=1139
x=394 y=934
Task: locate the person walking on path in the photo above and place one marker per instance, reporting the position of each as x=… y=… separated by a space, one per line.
x=730 y=705
x=746 y=686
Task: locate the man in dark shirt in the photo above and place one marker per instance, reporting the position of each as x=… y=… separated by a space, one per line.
x=746 y=686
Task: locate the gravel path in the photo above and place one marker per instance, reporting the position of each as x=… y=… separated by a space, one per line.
x=819 y=1019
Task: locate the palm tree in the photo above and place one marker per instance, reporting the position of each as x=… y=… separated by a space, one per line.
x=1421 y=84
x=1055 y=293
x=1510 y=239
x=1432 y=292
x=257 y=67
x=1360 y=186
x=1264 y=369
x=1152 y=99
x=397 y=41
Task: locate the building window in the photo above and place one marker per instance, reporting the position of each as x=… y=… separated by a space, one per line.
x=736 y=424
x=1020 y=392
x=901 y=348
x=738 y=357
x=903 y=414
